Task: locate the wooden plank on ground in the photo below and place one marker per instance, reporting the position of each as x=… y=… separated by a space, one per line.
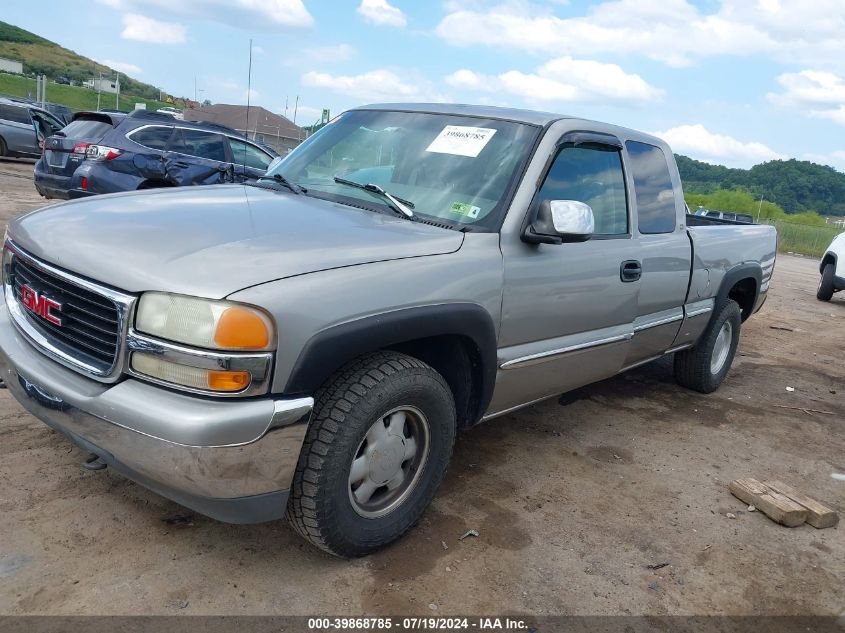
x=818 y=514
x=775 y=505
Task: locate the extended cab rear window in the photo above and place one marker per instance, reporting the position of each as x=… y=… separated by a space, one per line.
x=87 y=128
x=653 y=184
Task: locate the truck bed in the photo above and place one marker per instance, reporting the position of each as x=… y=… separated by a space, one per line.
x=721 y=246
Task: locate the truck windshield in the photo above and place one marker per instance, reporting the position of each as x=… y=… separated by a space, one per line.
x=451 y=168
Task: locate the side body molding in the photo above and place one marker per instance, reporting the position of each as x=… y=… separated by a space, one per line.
x=333 y=347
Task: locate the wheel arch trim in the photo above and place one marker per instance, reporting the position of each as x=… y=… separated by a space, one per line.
x=828 y=258
x=733 y=276
x=330 y=349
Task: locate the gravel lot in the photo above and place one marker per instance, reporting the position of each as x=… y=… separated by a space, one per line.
x=572 y=498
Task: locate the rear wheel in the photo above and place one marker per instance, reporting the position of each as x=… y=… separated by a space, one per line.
x=2 y=146
x=826 y=288
x=704 y=367
x=374 y=455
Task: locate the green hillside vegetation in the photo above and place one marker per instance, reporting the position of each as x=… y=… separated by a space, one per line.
x=43 y=57
x=74 y=97
x=806 y=233
x=796 y=186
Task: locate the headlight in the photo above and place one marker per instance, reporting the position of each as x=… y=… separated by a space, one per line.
x=199 y=378
x=204 y=323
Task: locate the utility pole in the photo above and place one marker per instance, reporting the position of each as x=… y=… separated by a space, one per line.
x=760 y=208
x=117 y=95
x=249 y=94
x=98 y=91
x=195 y=87
x=295 y=108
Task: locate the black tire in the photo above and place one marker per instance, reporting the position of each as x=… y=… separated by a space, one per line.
x=2 y=146
x=321 y=506
x=694 y=368
x=826 y=288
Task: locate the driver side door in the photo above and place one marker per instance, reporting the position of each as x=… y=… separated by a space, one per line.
x=567 y=311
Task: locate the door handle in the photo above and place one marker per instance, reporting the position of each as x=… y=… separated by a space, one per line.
x=630 y=270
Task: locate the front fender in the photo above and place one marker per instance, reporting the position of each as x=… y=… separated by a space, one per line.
x=328 y=350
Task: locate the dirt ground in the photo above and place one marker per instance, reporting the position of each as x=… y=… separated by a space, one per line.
x=572 y=498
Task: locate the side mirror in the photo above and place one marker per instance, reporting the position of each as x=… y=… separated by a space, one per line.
x=274 y=163
x=561 y=221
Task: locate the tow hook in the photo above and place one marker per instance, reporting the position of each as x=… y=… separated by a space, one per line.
x=93 y=462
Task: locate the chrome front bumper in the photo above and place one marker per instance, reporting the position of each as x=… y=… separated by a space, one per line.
x=232 y=460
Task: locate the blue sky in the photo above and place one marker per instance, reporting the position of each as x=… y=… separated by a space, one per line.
x=734 y=82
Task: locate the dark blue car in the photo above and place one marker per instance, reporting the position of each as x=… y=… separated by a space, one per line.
x=108 y=152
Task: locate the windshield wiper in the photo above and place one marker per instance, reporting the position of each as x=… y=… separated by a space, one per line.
x=400 y=205
x=286 y=183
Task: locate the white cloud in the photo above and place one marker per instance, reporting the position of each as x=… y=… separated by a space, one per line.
x=563 y=80
x=257 y=50
x=820 y=94
x=836 y=115
x=123 y=67
x=375 y=85
x=249 y=14
x=305 y=115
x=337 y=53
x=833 y=159
x=674 y=32
x=143 y=29
x=698 y=142
x=814 y=87
x=382 y=13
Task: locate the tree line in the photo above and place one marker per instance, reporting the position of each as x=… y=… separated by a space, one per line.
x=794 y=186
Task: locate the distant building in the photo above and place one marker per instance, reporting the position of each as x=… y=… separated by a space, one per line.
x=263 y=126
x=103 y=85
x=11 y=66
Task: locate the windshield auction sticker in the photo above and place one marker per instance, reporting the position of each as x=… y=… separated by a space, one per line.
x=460 y=140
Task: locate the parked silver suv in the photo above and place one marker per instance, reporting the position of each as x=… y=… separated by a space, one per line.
x=311 y=344
x=23 y=128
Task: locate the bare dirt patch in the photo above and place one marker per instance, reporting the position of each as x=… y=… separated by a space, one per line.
x=572 y=498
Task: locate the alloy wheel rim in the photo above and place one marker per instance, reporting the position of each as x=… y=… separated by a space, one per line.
x=389 y=461
x=721 y=348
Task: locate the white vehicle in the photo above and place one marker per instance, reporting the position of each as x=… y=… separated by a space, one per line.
x=175 y=113
x=832 y=269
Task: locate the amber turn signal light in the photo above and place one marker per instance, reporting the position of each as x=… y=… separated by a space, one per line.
x=228 y=380
x=241 y=328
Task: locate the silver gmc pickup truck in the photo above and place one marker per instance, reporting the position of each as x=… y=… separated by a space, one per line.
x=309 y=345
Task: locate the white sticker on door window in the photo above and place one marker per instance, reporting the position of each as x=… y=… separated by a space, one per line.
x=461 y=140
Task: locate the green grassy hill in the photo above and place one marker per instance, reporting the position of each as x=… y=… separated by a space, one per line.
x=41 y=56
x=74 y=97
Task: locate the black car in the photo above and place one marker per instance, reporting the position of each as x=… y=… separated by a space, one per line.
x=108 y=152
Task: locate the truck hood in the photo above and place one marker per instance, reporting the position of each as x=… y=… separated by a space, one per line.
x=213 y=241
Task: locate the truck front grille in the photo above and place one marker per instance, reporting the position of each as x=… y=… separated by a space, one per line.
x=84 y=327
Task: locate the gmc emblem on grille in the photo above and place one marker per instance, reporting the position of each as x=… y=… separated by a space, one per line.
x=41 y=305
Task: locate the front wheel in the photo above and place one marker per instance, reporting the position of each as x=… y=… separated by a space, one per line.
x=374 y=455
x=826 y=289
x=704 y=367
